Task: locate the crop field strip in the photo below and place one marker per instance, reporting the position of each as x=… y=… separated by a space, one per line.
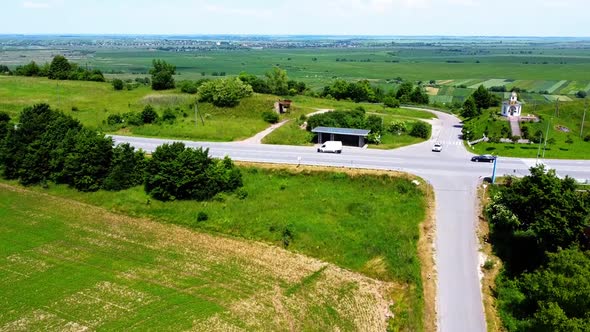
x=69 y=266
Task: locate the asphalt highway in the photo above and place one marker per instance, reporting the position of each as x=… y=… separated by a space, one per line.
x=454 y=179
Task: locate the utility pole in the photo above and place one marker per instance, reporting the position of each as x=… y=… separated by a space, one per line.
x=546 y=135
x=198 y=114
x=539 y=149
x=583 y=117
x=557 y=107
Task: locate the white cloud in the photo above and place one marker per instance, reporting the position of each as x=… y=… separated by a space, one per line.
x=35 y=5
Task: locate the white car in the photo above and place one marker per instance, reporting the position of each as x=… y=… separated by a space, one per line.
x=437 y=147
x=331 y=146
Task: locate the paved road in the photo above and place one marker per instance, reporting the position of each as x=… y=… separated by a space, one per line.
x=454 y=179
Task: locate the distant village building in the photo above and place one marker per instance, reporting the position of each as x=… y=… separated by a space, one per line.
x=512 y=107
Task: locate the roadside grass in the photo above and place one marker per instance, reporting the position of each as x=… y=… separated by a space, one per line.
x=289 y=134
x=66 y=265
x=391 y=141
x=492 y=264
x=351 y=220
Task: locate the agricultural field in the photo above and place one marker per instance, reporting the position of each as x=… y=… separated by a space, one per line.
x=66 y=265
x=375 y=237
x=555 y=66
x=532 y=91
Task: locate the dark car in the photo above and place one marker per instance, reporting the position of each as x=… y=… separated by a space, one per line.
x=484 y=158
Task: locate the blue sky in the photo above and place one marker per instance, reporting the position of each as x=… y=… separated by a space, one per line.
x=338 y=17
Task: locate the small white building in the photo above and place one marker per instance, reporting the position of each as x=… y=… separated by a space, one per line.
x=512 y=107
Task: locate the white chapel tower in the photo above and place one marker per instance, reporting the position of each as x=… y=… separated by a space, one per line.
x=512 y=107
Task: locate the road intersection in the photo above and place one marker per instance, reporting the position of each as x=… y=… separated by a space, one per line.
x=454 y=179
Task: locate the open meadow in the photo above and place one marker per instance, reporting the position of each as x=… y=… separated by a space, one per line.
x=93 y=102
x=376 y=237
x=66 y=265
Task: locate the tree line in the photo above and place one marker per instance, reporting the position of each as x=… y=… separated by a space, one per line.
x=59 y=69
x=48 y=146
x=363 y=91
x=540 y=228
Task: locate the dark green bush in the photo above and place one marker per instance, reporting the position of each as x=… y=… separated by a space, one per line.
x=118 y=84
x=420 y=129
x=177 y=172
x=270 y=116
x=202 y=216
x=114 y=119
x=242 y=193
x=149 y=115
x=168 y=116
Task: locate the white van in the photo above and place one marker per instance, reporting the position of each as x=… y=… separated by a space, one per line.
x=331 y=146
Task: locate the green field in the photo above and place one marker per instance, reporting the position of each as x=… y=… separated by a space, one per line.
x=557 y=67
x=70 y=266
x=561 y=128
x=371 y=226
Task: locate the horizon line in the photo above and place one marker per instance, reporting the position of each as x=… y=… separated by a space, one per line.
x=65 y=34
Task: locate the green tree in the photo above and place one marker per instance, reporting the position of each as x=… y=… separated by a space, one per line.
x=536 y=214
x=162 y=75
x=469 y=109
x=391 y=101
x=558 y=295
x=420 y=129
x=270 y=116
x=118 y=84
x=60 y=68
x=88 y=163
x=404 y=91
x=258 y=84
x=127 y=168
x=418 y=96
x=30 y=69
x=4 y=70
x=484 y=99
x=581 y=94
x=277 y=81
x=224 y=92
x=375 y=124
x=149 y=115
x=176 y=172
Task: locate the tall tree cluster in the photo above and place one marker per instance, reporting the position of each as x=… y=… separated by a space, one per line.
x=480 y=99
x=177 y=172
x=49 y=146
x=60 y=69
x=538 y=228
x=162 y=75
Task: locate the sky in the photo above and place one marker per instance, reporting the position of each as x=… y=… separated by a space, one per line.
x=298 y=17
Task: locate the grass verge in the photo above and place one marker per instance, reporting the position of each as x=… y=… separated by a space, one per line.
x=490 y=265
